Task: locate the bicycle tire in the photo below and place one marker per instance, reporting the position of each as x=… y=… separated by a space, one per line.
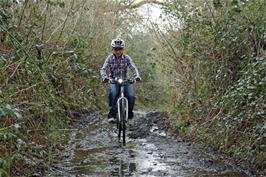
x=119 y=130
x=124 y=133
x=123 y=120
x=119 y=122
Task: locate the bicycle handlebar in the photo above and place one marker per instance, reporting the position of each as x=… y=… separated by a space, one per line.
x=121 y=81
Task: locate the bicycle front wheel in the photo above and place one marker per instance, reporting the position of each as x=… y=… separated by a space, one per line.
x=123 y=120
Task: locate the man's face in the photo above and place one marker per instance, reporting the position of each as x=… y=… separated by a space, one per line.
x=118 y=51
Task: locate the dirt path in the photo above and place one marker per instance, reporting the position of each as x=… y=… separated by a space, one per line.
x=94 y=150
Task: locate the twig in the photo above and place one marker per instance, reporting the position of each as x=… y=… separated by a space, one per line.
x=23 y=49
x=55 y=30
x=22 y=13
x=64 y=25
x=44 y=23
x=15 y=70
x=32 y=86
x=211 y=12
x=141 y=3
x=37 y=130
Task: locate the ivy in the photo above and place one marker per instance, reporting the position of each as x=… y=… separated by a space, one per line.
x=8 y=111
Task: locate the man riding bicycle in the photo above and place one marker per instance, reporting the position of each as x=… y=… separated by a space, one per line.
x=118 y=63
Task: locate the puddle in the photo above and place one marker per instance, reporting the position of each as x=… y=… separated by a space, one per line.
x=95 y=151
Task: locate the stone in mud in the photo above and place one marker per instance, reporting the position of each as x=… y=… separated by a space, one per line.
x=132 y=155
x=141 y=127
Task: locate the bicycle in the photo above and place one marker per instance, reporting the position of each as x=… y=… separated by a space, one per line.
x=122 y=105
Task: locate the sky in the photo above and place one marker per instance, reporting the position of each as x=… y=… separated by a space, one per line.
x=151 y=12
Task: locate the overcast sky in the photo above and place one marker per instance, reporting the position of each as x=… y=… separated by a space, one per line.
x=151 y=12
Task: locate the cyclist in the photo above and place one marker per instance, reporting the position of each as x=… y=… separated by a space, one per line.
x=118 y=63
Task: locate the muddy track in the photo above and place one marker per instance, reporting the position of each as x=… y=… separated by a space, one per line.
x=94 y=150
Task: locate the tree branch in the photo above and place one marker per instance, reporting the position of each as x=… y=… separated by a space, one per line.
x=141 y=3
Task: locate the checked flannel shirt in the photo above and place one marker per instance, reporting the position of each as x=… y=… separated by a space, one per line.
x=118 y=67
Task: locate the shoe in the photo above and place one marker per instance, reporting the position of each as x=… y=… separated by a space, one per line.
x=111 y=120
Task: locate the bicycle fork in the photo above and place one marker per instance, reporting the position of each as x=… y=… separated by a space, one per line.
x=119 y=102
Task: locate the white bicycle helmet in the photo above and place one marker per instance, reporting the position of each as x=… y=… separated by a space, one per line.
x=118 y=43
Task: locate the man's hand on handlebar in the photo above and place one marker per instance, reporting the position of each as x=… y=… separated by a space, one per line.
x=105 y=80
x=137 y=80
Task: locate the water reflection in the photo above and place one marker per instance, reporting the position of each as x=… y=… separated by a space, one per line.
x=95 y=151
x=122 y=166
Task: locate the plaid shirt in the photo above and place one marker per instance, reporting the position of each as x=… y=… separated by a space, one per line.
x=118 y=67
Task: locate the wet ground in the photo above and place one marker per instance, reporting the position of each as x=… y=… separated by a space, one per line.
x=94 y=150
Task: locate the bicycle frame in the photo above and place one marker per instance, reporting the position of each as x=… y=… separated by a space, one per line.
x=122 y=103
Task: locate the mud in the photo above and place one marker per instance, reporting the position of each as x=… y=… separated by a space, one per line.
x=94 y=150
